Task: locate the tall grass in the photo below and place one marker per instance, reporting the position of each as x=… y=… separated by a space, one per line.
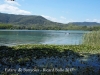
x=92 y=38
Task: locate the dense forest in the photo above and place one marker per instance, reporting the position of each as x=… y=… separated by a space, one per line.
x=33 y=22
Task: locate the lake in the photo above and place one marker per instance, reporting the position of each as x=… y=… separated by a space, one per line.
x=58 y=37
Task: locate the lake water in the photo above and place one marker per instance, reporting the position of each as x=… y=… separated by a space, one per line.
x=58 y=37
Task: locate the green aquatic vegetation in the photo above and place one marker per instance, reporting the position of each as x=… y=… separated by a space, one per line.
x=38 y=51
x=92 y=38
x=23 y=54
x=45 y=50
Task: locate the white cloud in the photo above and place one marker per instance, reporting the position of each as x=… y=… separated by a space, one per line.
x=60 y=20
x=62 y=17
x=87 y=19
x=93 y=20
x=96 y=20
x=50 y=18
x=12 y=7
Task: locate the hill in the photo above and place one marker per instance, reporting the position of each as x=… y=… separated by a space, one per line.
x=24 y=19
x=85 y=23
x=34 y=22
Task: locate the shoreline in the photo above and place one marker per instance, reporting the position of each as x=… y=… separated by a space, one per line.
x=47 y=56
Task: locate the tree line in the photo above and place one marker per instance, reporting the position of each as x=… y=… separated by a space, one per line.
x=48 y=27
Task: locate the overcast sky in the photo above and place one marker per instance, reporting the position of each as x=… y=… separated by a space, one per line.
x=63 y=11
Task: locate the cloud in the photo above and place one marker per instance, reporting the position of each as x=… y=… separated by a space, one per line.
x=62 y=17
x=87 y=19
x=96 y=20
x=60 y=20
x=50 y=18
x=93 y=20
x=12 y=7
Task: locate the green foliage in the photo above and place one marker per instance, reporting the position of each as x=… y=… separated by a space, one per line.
x=6 y=26
x=92 y=38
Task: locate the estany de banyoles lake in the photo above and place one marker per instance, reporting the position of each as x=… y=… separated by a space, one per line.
x=56 y=37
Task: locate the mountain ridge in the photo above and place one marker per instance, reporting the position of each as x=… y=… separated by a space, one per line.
x=34 y=22
x=24 y=19
x=85 y=23
x=36 y=19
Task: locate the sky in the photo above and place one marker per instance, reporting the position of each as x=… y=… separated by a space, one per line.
x=63 y=11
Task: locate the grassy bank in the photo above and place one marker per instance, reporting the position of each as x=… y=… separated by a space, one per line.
x=60 y=48
x=38 y=51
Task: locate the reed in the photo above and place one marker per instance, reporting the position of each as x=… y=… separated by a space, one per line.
x=92 y=38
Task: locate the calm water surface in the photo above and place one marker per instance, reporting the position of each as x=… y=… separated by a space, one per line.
x=59 y=37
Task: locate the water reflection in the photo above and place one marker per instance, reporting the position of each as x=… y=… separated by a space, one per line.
x=14 y=37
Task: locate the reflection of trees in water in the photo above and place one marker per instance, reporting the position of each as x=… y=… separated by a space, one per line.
x=39 y=36
x=8 y=37
x=4 y=40
x=22 y=37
